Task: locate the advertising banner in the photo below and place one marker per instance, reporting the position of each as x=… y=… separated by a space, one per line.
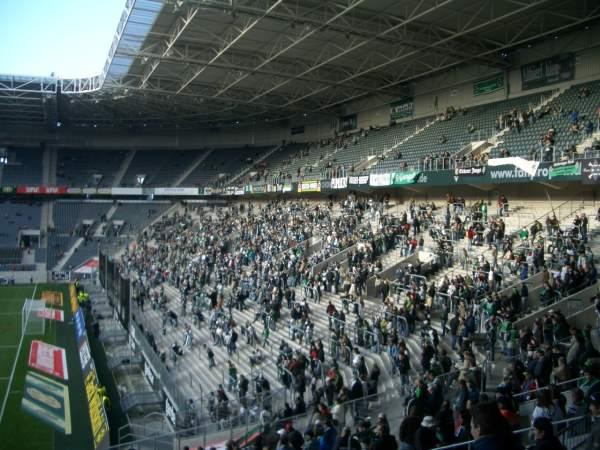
x=380 y=179
x=170 y=411
x=126 y=191
x=527 y=166
x=49 y=359
x=309 y=186
x=149 y=373
x=400 y=178
x=176 y=191
x=339 y=183
x=548 y=71
x=360 y=180
x=52 y=314
x=475 y=171
x=85 y=355
x=43 y=190
x=488 y=85
x=564 y=169
x=52 y=298
x=590 y=171
x=95 y=407
x=73 y=299
x=255 y=189
x=47 y=400
x=74 y=190
x=401 y=109
x=79 y=325
x=7 y=190
x=286 y=187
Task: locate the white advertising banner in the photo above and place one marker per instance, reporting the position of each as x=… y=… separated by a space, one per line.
x=380 y=179
x=339 y=183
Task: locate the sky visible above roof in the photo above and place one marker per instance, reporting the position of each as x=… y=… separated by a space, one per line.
x=69 y=38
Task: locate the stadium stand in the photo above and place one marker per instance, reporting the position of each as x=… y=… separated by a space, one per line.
x=17 y=216
x=293 y=305
x=243 y=362
x=161 y=168
x=26 y=169
x=221 y=164
x=536 y=140
x=137 y=215
x=77 y=168
x=69 y=226
x=457 y=127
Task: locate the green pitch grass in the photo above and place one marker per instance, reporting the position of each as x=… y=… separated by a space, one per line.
x=21 y=430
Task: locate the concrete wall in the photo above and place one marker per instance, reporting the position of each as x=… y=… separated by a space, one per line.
x=40 y=276
x=577 y=301
x=341 y=257
x=390 y=272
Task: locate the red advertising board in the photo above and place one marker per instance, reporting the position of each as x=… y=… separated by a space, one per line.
x=44 y=190
x=52 y=314
x=49 y=359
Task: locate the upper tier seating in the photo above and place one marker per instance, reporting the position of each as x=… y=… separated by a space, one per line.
x=555 y=115
x=160 y=167
x=68 y=215
x=77 y=167
x=451 y=133
x=226 y=161
x=27 y=168
x=15 y=217
x=138 y=215
x=361 y=145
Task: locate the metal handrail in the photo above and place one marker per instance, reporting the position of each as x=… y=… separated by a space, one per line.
x=533 y=391
x=227 y=427
x=523 y=432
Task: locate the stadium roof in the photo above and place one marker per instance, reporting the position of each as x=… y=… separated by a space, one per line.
x=199 y=62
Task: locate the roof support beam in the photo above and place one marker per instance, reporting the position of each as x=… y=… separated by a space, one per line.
x=592 y=15
x=230 y=43
x=403 y=55
x=279 y=48
x=415 y=14
x=176 y=31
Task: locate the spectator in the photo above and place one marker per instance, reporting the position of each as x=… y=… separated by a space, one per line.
x=544 y=435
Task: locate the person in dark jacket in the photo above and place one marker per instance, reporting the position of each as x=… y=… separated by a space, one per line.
x=383 y=439
x=593 y=440
x=408 y=430
x=329 y=437
x=294 y=437
x=425 y=438
x=347 y=441
x=489 y=429
x=544 y=435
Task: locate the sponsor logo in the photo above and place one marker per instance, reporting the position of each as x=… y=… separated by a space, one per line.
x=339 y=183
x=364 y=179
x=516 y=173
x=590 y=171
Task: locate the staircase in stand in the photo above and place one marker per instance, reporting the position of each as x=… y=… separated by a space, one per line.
x=186 y=173
x=123 y=169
